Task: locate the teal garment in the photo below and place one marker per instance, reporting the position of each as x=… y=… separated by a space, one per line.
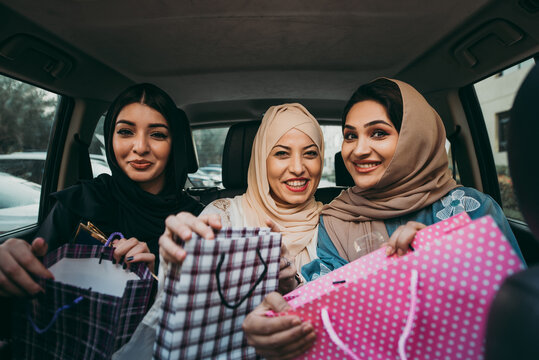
x=460 y=199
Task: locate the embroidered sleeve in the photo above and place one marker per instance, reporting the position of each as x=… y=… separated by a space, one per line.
x=221 y=207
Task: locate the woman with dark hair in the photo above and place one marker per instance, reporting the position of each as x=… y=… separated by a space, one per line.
x=146 y=149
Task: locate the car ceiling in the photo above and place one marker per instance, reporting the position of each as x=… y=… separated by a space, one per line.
x=206 y=53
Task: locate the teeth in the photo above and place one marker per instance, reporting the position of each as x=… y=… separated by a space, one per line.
x=366 y=166
x=296 y=183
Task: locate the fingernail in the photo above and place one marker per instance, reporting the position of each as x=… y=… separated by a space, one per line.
x=180 y=254
x=130 y=258
x=184 y=235
x=307 y=327
x=296 y=321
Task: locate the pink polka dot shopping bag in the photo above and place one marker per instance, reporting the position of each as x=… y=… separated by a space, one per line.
x=430 y=304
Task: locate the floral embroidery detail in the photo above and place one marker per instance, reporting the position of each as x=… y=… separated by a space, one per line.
x=455 y=203
x=323 y=271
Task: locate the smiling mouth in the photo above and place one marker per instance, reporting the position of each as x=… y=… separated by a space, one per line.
x=367 y=167
x=297 y=185
x=140 y=165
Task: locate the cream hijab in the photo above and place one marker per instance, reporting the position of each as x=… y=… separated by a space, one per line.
x=417 y=176
x=298 y=224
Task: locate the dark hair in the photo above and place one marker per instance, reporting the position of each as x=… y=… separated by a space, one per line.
x=149 y=95
x=383 y=91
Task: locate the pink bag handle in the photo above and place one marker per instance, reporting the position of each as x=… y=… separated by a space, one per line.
x=411 y=313
x=333 y=335
x=405 y=332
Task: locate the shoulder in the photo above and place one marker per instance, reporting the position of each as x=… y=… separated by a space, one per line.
x=222 y=207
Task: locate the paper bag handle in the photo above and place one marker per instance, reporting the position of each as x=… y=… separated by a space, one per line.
x=54 y=317
x=261 y=277
x=405 y=332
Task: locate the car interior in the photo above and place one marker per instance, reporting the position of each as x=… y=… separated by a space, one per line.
x=225 y=63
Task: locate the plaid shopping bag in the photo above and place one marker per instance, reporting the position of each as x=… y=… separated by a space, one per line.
x=208 y=297
x=90 y=321
x=430 y=304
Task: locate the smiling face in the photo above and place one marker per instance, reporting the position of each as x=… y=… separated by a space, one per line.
x=142 y=145
x=369 y=143
x=294 y=167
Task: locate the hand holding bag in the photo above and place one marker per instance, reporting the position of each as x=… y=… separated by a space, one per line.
x=209 y=295
x=90 y=310
x=430 y=304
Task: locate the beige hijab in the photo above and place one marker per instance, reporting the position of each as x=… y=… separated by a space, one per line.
x=298 y=224
x=417 y=176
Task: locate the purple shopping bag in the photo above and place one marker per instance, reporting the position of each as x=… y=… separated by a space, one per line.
x=88 y=312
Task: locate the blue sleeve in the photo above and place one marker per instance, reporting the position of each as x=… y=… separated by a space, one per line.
x=328 y=256
x=490 y=207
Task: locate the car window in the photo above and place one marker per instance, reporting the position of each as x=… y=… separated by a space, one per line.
x=27 y=114
x=209 y=143
x=98 y=156
x=496 y=95
x=332 y=145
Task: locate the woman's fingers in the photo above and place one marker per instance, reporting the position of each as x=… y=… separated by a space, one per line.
x=401 y=240
x=16 y=262
x=277 y=337
x=184 y=224
x=169 y=249
x=273 y=226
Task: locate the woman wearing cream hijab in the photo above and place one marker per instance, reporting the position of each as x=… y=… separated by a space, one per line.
x=284 y=172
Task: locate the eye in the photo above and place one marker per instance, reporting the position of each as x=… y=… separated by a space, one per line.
x=159 y=135
x=378 y=133
x=281 y=153
x=349 y=135
x=312 y=153
x=124 y=132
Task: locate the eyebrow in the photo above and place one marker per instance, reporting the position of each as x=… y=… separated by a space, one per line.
x=130 y=123
x=288 y=148
x=372 y=123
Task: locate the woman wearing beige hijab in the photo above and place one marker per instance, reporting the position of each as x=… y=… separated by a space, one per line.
x=394 y=148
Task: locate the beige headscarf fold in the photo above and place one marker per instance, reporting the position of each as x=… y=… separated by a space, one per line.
x=298 y=223
x=417 y=176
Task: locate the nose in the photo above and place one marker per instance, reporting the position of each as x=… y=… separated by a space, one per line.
x=363 y=147
x=140 y=144
x=296 y=165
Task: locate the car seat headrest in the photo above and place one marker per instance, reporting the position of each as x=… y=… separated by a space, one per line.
x=192 y=158
x=237 y=154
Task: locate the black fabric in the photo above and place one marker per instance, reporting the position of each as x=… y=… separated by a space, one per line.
x=185 y=129
x=116 y=203
x=85 y=167
x=342 y=176
x=237 y=154
x=513 y=323
x=522 y=148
